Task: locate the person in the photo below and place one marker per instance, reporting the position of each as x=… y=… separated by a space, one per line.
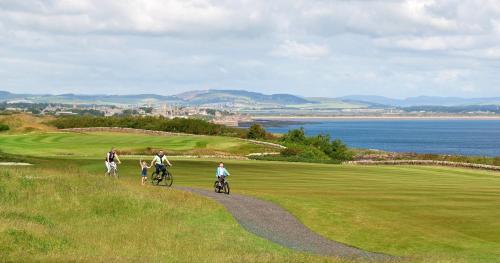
x=159 y=162
x=110 y=163
x=221 y=172
x=144 y=171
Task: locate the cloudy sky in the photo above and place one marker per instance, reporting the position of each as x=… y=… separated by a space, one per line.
x=306 y=47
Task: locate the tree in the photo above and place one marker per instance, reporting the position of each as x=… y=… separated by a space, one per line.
x=256 y=131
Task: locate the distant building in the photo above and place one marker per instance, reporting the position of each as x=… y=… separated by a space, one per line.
x=112 y=111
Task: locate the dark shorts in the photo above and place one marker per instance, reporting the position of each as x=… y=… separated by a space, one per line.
x=144 y=174
x=160 y=167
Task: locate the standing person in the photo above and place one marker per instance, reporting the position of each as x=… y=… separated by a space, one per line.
x=221 y=172
x=110 y=163
x=159 y=162
x=144 y=171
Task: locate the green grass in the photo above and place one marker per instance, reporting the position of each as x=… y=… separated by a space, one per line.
x=68 y=214
x=423 y=212
x=95 y=144
x=430 y=214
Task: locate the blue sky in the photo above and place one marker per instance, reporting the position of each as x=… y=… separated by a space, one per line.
x=310 y=48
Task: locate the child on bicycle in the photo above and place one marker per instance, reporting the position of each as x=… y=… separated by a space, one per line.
x=144 y=171
x=221 y=172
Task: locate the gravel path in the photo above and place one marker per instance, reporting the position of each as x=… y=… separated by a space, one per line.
x=274 y=223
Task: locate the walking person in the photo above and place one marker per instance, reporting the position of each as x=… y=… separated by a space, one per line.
x=144 y=171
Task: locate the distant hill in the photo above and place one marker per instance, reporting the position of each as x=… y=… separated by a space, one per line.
x=368 y=99
x=421 y=101
x=239 y=97
x=248 y=99
x=197 y=98
x=4 y=95
x=87 y=99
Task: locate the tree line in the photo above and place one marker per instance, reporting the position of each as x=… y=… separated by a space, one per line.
x=181 y=125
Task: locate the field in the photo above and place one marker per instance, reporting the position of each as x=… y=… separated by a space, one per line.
x=425 y=212
x=94 y=144
x=64 y=209
x=69 y=214
x=328 y=103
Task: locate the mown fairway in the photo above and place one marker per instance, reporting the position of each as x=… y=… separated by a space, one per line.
x=95 y=144
x=427 y=212
x=431 y=214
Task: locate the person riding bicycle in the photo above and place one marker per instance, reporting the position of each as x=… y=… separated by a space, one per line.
x=110 y=163
x=159 y=161
x=221 y=172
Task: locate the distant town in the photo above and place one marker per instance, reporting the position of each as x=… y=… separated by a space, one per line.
x=166 y=110
x=235 y=107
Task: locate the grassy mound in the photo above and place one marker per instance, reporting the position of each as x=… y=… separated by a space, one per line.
x=22 y=123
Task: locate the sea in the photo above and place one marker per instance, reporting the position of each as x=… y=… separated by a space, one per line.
x=456 y=137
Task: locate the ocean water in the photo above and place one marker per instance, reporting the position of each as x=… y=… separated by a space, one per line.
x=463 y=137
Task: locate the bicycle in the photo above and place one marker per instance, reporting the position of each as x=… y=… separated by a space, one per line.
x=113 y=171
x=221 y=185
x=165 y=176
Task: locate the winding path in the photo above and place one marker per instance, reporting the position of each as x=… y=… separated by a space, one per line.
x=274 y=223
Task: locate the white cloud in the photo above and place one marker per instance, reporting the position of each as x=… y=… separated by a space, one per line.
x=395 y=47
x=491 y=53
x=449 y=75
x=445 y=43
x=130 y=17
x=294 y=49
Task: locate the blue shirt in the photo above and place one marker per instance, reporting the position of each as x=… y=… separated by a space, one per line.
x=221 y=171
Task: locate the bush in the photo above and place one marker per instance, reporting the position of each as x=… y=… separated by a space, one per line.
x=319 y=147
x=339 y=151
x=4 y=127
x=312 y=153
x=256 y=131
x=290 y=151
x=296 y=136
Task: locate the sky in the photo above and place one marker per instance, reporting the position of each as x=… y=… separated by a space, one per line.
x=304 y=47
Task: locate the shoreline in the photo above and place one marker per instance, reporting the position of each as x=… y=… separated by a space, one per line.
x=302 y=118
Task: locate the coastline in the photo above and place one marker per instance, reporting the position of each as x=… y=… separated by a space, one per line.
x=315 y=117
x=446 y=135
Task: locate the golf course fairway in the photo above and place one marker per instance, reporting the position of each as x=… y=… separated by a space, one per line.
x=96 y=144
x=65 y=209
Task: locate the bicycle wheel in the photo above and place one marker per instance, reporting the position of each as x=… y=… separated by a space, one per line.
x=168 y=178
x=226 y=188
x=216 y=187
x=154 y=178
